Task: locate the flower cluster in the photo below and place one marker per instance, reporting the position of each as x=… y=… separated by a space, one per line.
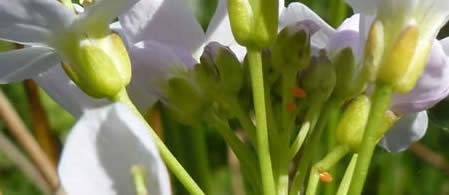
x=282 y=74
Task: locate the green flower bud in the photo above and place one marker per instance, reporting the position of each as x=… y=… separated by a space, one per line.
x=100 y=67
x=374 y=50
x=350 y=81
x=186 y=102
x=291 y=50
x=254 y=23
x=319 y=79
x=230 y=71
x=352 y=123
x=406 y=60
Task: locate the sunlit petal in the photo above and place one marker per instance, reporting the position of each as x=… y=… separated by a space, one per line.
x=409 y=129
x=153 y=64
x=102 y=147
x=32 y=21
x=21 y=64
x=169 y=22
x=297 y=12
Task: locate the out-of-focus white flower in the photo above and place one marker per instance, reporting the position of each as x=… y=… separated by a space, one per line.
x=102 y=148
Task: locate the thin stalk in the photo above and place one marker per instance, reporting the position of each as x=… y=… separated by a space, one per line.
x=199 y=150
x=19 y=131
x=324 y=165
x=380 y=102
x=40 y=123
x=311 y=147
x=331 y=188
x=346 y=181
x=28 y=168
x=263 y=147
x=243 y=118
x=170 y=160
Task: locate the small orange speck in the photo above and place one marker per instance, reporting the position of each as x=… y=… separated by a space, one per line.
x=298 y=93
x=325 y=177
x=291 y=107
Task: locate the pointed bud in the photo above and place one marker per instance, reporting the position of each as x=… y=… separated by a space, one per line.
x=101 y=67
x=223 y=63
x=374 y=49
x=291 y=49
x=254 y=23
x=406 y=61
x=319 y=79
x=352 y=124
x=350 y=81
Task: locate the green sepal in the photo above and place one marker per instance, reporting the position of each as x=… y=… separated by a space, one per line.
x=291 y=50
x=350 y=81
x=319 y=79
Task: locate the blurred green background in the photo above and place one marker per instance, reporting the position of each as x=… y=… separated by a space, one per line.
x=404 y=173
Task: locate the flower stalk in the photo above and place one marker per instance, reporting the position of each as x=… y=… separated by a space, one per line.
x=380 y=103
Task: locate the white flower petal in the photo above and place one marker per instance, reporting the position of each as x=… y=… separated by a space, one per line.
x=21 y=64
x=432 y=86
x=445 y=44
x=32 y=21
x=166 y=21
x=102 y=147
x=297 y=12
x=409 y=129
x=347 y=35
x=153 y=63
x=103 y=12
x=61 y=89
x=219 y=30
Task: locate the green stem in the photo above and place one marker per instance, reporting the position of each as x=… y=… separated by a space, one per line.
x=201 y=162
x=311 y=146
x=171 y=162
x=324 y=165
x=346 y=181
x=331 y=188
x=309 y=123
x=242 y=151
x=263 y=148
x=380 y=103
x=238 y=112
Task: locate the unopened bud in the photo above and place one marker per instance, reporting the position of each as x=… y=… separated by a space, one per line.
x=406 y=60
x=319 y=78
x=229 y=70
x=350 y=81
x=374 y=49
x=352 y=124
x=101 y=68
x=291 y=49
x=254 y=23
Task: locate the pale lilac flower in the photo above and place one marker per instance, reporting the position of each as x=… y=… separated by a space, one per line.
x=101 y=149
x=432 y=87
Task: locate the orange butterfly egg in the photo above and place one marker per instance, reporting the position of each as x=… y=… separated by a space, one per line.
x=325 y=177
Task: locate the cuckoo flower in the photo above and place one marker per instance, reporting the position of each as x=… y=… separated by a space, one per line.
x=163 y=37
x=400 y=38
x=432 y=86
x=54 y=34
x=101 y=150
